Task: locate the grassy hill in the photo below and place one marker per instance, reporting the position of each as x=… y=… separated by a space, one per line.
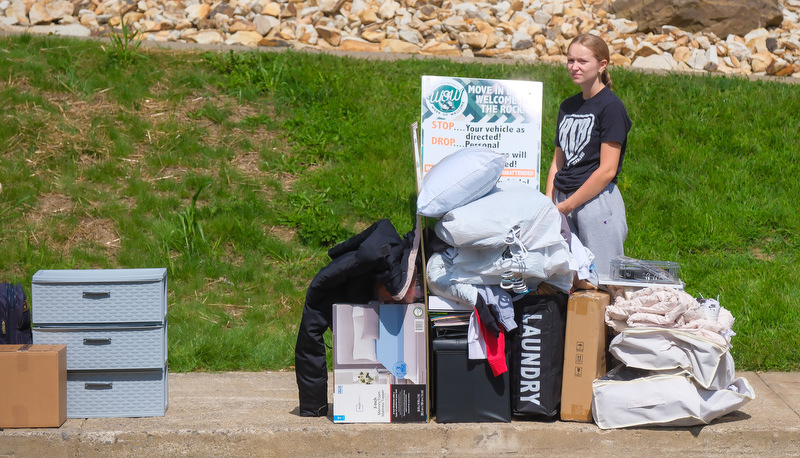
x=237 y=171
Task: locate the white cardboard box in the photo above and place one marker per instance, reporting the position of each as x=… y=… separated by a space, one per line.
x=380 y=363
x=443 y=304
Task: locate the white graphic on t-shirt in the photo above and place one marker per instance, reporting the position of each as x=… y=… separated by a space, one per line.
x=573 y=135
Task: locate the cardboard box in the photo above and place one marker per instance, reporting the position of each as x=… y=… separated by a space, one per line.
x=380 y=363
x=585 y=345
x=34 y=386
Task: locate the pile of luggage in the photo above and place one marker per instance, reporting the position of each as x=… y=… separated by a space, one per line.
x=675 y=367
x=503 y=253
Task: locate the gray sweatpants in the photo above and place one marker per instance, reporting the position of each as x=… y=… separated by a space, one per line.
x=600 y=225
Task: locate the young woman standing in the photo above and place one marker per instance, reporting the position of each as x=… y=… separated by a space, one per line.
x=591 y=136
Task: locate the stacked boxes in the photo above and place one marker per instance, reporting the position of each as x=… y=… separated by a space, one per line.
x=114 y=324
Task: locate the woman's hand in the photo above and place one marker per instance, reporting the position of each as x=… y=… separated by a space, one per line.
x=565 y=207
x=597 y=181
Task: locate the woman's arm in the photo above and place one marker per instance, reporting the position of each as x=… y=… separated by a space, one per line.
x=597 y=181
x=555 y=166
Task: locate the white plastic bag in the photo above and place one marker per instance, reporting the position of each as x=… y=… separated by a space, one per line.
x=512 y=212
x=663 y=400
x=553 y=264
x=440 y=281
x=709 y=364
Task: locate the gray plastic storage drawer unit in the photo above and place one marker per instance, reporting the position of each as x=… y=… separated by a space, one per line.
x=114 y=324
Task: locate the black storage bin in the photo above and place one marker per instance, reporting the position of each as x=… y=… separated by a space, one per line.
x=466 y=391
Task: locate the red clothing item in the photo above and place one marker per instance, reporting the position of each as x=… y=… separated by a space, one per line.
x=495 y=348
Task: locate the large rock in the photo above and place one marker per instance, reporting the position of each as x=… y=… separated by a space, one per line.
x=358 y=45
x=265 y=24
x=331 y=35
x=197 y=12
x=244 y=38
x=721 y=17
x=655 y=62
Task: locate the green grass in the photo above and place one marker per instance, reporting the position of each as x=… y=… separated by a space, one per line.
x=237 y=171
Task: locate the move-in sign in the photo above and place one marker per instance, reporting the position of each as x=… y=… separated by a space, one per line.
x=502 y=115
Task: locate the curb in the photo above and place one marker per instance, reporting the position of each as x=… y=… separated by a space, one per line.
x=255 y=413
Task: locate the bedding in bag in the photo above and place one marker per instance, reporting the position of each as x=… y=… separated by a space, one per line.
x=708 y=363
x=627 y=397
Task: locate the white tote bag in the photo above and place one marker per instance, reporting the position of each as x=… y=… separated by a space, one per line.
x=485 y=266
x=709 y=364
x=663 y=400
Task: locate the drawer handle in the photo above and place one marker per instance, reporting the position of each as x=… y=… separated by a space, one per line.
x=98 y=386
x=105 y=341
x=96 y=294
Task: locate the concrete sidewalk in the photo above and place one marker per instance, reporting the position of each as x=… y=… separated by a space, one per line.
x=255 y=414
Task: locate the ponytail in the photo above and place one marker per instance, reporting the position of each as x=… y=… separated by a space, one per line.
x=605 y=78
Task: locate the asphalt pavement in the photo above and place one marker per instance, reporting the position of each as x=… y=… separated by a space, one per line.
x=256 y=414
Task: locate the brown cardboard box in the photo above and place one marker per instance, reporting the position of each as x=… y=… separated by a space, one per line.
x=584 y=352
x=34 y=380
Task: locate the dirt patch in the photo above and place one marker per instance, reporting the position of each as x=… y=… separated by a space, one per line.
x=282 y=233
x=360 y=226
x=78 y=127
x=239 y=112
x=761 y=249
x=761 y=255
x=97 y=231
x=175 y=173
x=234 y=311
x=101 y=231
x=248 y=163
x=231 y=256
x=21 y=83
x=55 y=204
x=288 y=179
x=759 y=252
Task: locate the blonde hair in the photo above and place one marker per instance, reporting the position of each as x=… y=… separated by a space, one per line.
x=599 y=48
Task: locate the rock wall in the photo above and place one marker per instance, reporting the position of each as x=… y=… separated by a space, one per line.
x=529 y=30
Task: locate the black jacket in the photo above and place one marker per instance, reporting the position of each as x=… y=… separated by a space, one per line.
x=377 y=254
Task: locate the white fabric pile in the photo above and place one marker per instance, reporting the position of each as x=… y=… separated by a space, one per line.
x=666 y=307
x=677 y=368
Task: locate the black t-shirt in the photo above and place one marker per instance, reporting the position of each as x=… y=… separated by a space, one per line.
x=582 y=126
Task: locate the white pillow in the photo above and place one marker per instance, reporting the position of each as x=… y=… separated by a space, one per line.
x=458 y=179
